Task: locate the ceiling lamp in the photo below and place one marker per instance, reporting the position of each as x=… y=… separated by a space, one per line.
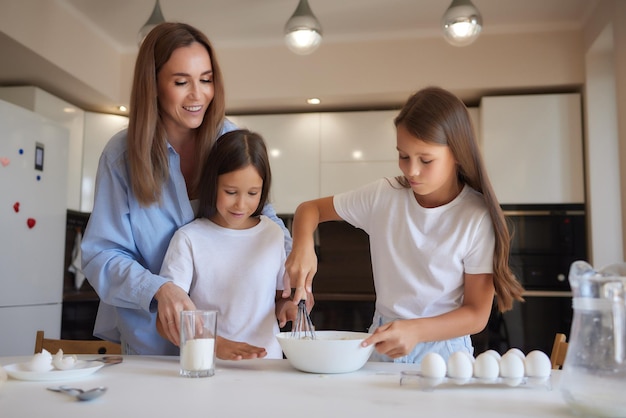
x=303 y=32
x=155 y=18
x=461 y=23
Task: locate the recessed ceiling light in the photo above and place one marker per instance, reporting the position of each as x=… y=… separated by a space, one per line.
x=313 y=101
x=122 y=108
x=69 y=109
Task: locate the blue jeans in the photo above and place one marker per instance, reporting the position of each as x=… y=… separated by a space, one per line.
x=444 y=348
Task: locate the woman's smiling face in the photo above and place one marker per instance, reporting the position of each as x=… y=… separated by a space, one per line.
x=185 y=89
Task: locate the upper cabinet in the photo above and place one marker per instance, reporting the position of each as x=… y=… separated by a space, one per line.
x=293 y=147
x=99 y=128
x=532 y=147
x=356 y=149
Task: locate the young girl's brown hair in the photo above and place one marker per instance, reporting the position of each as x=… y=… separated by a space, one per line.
x=147 y=142
x=233 y=151
x=437 y=116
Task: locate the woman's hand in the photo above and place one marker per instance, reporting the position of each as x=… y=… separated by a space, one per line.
x=285 y=311
x=234 y=350
x=171 y=301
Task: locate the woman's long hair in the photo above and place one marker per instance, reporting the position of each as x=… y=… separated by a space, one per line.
x=437 y=116
x=147 y=141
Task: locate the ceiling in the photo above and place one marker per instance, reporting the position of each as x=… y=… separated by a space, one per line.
x=232 y=24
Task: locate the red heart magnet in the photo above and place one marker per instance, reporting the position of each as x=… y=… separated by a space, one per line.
x=16 y=207
x=31 y=223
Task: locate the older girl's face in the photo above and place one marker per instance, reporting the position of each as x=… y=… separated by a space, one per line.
x=430 y=169
x=185 y=89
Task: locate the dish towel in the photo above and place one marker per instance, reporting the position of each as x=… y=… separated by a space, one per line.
x=75 y=266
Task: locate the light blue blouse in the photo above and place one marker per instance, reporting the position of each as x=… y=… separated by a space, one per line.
x=124 y=245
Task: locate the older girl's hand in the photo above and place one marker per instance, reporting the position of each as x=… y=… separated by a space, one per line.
x=394 y=339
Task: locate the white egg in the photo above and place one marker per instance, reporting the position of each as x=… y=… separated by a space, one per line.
x=433 y=366
x=41 y=362
x=517 y=352
x=511 y=365
x=64 y=363
x=537 y=364
x=460 y=365
x=494 y=353
x=486 y=366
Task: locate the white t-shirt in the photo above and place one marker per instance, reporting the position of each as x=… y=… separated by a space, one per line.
x=235 y=272
x=419 y=254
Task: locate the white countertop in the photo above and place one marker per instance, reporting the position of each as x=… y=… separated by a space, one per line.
x=151 y=387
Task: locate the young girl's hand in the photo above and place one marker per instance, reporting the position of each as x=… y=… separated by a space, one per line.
x=285 y=311
x=235 y=350
x=394 y=339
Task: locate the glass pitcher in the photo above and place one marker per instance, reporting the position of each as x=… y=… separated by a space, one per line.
x=594 y=372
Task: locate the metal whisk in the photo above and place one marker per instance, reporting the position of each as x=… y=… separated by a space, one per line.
x=303 y=327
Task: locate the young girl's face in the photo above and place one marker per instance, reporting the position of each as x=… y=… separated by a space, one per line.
x=185 y=89
x=429 y=168
x=238 y=197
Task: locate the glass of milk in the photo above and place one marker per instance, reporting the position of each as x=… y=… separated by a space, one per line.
x=197 y=343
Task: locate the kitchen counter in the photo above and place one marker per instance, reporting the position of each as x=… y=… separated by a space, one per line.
x=151 y=387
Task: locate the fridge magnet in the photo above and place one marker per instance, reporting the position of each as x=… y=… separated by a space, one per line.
x=5 y=161
x=31 y=223
x=16 y=207
x=21 y=151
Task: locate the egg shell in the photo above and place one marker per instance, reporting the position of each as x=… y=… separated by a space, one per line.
x=64 y=363
x=3 y=376
x=460 y=365
x=511 y=365
x=41 y=362
x=537 y=364
x=486 y=366
x=433 y=366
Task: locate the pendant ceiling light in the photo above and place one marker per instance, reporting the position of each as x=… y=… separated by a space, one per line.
x=303 y=32
x=155 y=18
x=461 y=23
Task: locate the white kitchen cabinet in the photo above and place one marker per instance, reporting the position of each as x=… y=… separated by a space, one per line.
x=67 y=115
x=99 y=128
x=356 y=149
x=532 y=146
x=293 y=146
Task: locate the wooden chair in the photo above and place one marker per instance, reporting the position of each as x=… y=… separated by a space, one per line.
x=75 y=346
x=559 y=351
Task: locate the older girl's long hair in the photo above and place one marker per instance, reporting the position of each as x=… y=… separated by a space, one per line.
x=147 y=142
x=234 y=151
x=437 y=116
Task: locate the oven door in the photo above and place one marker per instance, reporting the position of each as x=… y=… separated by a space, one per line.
x=532 y=325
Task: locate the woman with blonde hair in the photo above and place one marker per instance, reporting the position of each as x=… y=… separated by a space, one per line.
x=147 y=187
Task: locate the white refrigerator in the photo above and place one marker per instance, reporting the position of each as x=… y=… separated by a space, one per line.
x=33 y=188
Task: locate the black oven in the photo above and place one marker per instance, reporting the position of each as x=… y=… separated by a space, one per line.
x=546 y=240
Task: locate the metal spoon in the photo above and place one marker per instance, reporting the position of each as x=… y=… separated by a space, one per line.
x=80 y=394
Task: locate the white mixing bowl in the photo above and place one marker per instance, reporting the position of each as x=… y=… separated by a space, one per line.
x=330 y=352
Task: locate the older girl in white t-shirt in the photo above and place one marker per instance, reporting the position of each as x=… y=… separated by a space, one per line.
x=438 y=239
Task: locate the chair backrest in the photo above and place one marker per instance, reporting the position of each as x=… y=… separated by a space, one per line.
x=76 y=346
x=559 y=351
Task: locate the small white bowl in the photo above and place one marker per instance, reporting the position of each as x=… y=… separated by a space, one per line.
x=330 y=352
